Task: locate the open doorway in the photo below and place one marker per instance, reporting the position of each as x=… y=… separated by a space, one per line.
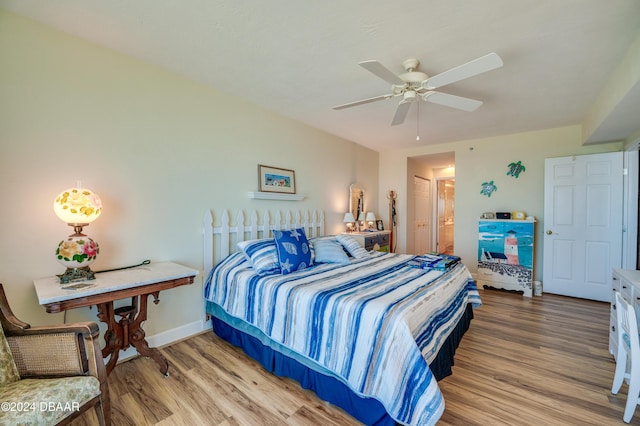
x=446 y=191
x=423 y=174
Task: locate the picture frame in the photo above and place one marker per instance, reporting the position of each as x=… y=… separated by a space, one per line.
x=379 y=225
x=275 y=179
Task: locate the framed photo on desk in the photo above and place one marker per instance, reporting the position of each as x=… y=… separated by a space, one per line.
x=379 y=225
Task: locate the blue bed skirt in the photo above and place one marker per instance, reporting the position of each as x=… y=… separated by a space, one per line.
x=367 y=410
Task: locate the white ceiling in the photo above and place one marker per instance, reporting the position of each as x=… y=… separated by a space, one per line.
x=299 y=58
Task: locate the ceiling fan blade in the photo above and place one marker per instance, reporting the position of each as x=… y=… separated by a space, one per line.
x=452 y=101
x=381 y=71
x=401 y=112
x=363 y=101
x=484 y=63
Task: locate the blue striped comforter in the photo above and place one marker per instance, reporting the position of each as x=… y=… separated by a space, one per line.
x=376 y=323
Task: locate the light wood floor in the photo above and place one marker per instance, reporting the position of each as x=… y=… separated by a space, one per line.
x=540 y=361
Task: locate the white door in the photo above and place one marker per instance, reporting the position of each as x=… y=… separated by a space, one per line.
x=582 y=224
x=422 y=214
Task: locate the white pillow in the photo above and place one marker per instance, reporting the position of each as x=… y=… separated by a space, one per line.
x=353 y=246
x=330 y=251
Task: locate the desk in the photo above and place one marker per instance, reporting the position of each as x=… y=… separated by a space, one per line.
x=138 y=283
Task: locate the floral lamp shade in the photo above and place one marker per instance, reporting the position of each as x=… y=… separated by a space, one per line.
x=77 y=207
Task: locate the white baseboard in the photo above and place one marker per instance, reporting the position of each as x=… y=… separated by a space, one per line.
x=167 y=337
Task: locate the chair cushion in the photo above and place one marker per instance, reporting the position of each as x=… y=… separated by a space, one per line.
x=8 y=370
x=46 y=401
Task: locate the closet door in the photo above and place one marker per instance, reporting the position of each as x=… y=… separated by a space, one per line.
x=422 y=215
x=582 y=224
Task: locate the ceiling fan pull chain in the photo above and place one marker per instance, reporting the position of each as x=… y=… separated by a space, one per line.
x=418 y=121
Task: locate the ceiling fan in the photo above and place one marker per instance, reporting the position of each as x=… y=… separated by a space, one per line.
x=414 y=84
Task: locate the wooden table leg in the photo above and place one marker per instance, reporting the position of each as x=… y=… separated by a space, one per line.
x=128 y=331
x=137 y=335
x=113 y=335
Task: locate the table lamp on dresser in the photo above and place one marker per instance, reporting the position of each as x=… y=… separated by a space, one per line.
x=371 y=219
x=349 y=221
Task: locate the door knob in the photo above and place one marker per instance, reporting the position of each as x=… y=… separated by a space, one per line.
x=549 y=232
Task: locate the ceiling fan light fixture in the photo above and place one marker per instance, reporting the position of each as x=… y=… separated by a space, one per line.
x=410 y=95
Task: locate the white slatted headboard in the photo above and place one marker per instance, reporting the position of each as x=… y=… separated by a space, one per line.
x=231 y=234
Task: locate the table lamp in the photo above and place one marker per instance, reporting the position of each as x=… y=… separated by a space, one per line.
x=349 y=220
x=361 y=222
x=371 y=218
x=77 y=207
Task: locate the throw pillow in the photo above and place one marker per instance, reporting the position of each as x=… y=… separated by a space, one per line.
x=294 y=251
x=262 y=254
x=353 y=246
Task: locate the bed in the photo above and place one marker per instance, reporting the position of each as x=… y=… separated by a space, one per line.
x=372 y=334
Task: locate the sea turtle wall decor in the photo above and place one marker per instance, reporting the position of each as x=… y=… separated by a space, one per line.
x=488 y=188
x=515 y=169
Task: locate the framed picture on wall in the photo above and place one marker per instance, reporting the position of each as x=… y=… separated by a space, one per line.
x=274 y=179
x=379 y=225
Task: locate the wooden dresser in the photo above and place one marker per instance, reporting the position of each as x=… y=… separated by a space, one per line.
x=376 y=240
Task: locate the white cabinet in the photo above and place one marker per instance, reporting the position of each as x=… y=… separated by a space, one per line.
x=505 y=255
x=627 y=282
x=377 y=240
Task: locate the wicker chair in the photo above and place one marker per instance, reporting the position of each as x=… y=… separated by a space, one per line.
x=50 y=375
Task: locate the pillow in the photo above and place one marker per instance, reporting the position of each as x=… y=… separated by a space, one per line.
x=330 y=251
x=353 y=246
x=294 y=251
x=329 y=238
x=262 y=254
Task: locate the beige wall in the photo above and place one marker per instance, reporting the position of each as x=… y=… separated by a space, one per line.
x=482 y=160
x=157 y=148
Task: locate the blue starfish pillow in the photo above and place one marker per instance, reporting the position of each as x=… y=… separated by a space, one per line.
x=294 y=251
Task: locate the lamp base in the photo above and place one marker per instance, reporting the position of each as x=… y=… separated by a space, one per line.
x=76 y=274
x=76 y=253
